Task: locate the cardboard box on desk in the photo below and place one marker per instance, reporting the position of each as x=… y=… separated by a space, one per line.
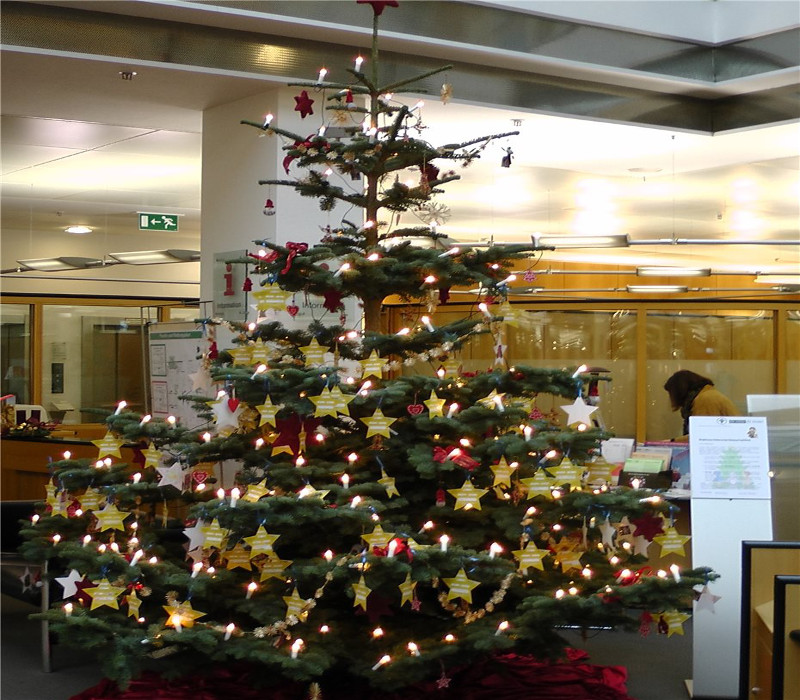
x=650 y=473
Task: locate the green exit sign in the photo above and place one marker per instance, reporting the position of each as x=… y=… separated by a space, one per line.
x=158 y=222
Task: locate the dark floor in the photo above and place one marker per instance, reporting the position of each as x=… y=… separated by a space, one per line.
x=657 y=665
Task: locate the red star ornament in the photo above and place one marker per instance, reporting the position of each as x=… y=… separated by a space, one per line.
x=648 y=526
x=378 y=6
x=303 y=104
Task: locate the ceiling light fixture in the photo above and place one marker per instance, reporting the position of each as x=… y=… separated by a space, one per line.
x=657 y=288
x=673 y=271
x=617 y=240
x=56 y=264
x=78 y=230
x=150 y=257
x=777 y=278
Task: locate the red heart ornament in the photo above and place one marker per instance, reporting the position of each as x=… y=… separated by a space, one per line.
x=233 y=404
x=292 y=309
x=199 y=477
x=415 y=409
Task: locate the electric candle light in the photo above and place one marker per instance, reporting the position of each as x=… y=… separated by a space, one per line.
x=267 y=119
x=145 y=419
x=78 y=513
x=300 y=461
x=527 y=431
x=426 y=526
x=221 y=494
x=68 y=609
x=344 y=267
x=359 y=60
x=430 y=279
x=676 y=572
x=99 y=464
x=206 y=437
x=324 y=629
x=392 y=548
x=449 y=638
x=377 y=633
x=413 y=648
x=137 y=477
x=296 y=647
x=235 y=493
x=114 y=547
x=443 y=540
x=35 y=518
x=259 y=370
x=321 y=132
x=572 y=590
x=136 y=557
x=661 y=573
x=452 y=251
x=625 y=573
x=322 y=73
x=441 y=372
x=426 y=321
x=502 y=627
x=485 y=310
x=196 y=568
x=251 y=588
x=586 y=572
x=175 y=621
x=101 y=548
x=635 y=484
x=498 y=401
x=172 y=420
x=56 y=538
x=229 y=631
x=452 y=410
x=107 y=462
x=385 y=659
x=403 y=331
x=614 y=560
x=373 y=257
x=560 y=594
x=67 y=454
x=200 y=487
x=259 y=443
x=153 y=560
x=494 y=550
x=120 y=406
x=328 y=554
x=580 y=370
x=356 y=500
x=345 y=479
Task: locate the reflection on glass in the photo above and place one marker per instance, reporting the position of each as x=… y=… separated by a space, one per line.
x=15 y=336
x=732 y=348
x=793 y=352
x=92 y=358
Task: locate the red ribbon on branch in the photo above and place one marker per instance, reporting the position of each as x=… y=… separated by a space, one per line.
x=294 y=249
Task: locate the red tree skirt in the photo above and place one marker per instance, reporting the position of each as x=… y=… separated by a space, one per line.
x=508 y=677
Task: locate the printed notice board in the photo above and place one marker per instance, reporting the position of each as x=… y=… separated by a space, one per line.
x=176 y=351
x=729 y=457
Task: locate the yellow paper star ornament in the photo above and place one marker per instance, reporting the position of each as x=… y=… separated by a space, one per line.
x=295 y=605
x=237 y=558
x=672 y=542
x=214 y=535
x=261 y=542
x=267 y=410
x=468 y=496
x=372 y=366
x=272 y=297
x=182 y=614
x=103 y=593
x=152 y=456
x=530 y=556
x=502 y=472
x=674 y=620
x=539 y=484
x=377 y=538
x=110 y=518
x=460 y=586
x=361 y=591
x=407 y=590
x=435 y=405
x=388 y=483
x=273 y=567
x=108 y=446
x=378 y=424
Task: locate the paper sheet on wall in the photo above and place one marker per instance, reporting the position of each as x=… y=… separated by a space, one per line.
x=729 y=457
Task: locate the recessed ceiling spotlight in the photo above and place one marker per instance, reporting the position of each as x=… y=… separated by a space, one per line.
x=78 y=230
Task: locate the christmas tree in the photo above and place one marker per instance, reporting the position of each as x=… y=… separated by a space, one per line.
x=386 y=527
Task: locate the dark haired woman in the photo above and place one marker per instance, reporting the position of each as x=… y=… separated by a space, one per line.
x=694 y=395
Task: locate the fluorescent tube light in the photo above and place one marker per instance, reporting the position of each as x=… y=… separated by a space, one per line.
x=657 y=288
x=55 y=264
x=150 y=257
x=673 y=271
x=778 y=279
x=612 y=241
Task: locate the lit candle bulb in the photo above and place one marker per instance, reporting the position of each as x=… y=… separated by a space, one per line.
x=296 y=647
x=259 y=370
x=377 y=633
x=328 y=555
x=137 y=477
x=426 y=321
x=229 y=631
x=107 y=462
x=443 y=540
x=196 y=568
x=56 y=538
x=625 y=573
x=580 y=370
x=374 y=257
x=344 y=267
x=99 y=464
x=452 y=410
x=200 y=487
x=67 y=454
x=392 y=548
x=676 y=572
x=426 y=526
x=35 y=518
x=359 y=60
x=324 y=629
x=235 y=493
x=78 y=512
x=153 y=560
x=430 y=279
x=560 y=594
x=403 y=331
x=138 y=554
x=502 y=627
x=451 y=252
x=661 y=573
x=120 y=406
x=356 y=500
x=206 y=437
x=114 y=547
x=449 y=638
x=494 y=550
x=86 y=540
x=485 y=310
x=172 y=420
x=267 y=119
x=385 y=659
x=251 y=588
x=68 y=609
x=352 y=458
x=345 y=479
x=527 y=431
x=322 y=73
x=300 y=461
x=259 y=443
x=413 y=648
x=635 y=483
x=221 y=494
x=176 y=622
x=145 y=419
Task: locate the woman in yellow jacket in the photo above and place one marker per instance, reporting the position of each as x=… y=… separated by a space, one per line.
x=695 y=395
